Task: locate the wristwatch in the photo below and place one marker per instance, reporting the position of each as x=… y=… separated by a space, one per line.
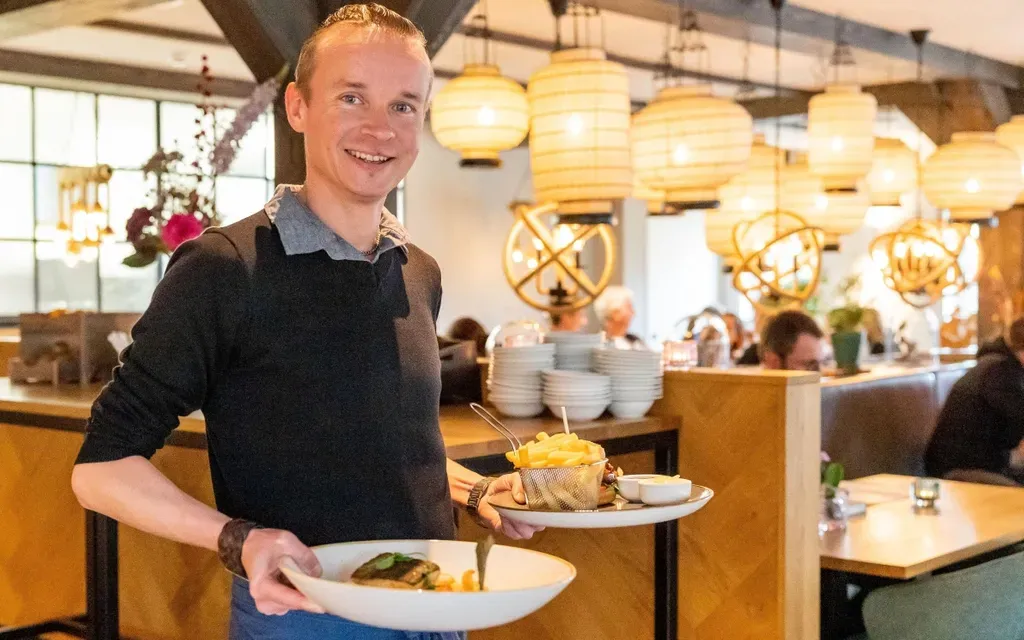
x=476 y=494
x=229 y=545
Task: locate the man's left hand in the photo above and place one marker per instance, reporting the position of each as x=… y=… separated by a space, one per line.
x=510 y=482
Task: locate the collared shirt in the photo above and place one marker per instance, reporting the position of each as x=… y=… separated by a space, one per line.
x=302 y=231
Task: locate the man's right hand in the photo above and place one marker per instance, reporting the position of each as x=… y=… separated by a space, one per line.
x=262 y=553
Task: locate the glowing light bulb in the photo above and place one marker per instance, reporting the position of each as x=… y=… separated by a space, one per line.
x=746 y=203
x=517 y=256
x=821 y=201
x=485 y=116
x=838 y=144
x=532 y=263
x=972 y=185
x=680 y=155
x=563 y=236
x=888 y=175
x=537 y=244
x=574 y=125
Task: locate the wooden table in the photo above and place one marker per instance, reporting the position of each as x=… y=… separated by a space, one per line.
x=893 y=541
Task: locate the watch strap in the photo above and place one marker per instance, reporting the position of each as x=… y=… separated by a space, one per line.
x=229 y=544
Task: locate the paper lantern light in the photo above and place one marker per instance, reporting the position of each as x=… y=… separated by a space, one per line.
x=840 y=129
x=1011 y=134
x=688 y=143
x=579 y=132
x=480 y=113
x=655 y=199
x=893 y=172
x=745 y=197
x=836 y=213
x=973 y=176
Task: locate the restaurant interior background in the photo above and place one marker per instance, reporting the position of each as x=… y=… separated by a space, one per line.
x=87 y=83
x=109 y=91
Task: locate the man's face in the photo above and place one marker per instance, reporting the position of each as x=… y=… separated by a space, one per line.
x=363 y=112
x=622 y=316
x=806 y=356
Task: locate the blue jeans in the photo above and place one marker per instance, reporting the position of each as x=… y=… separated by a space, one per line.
x=249 y=624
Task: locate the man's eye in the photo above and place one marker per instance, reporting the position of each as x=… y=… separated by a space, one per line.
x=404 y=107
x=350 y=99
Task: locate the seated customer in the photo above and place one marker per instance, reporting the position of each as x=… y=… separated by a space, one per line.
x=982 y=421
x=469 y=330
x=791 y=340
x=614 y=309
x=571 y=320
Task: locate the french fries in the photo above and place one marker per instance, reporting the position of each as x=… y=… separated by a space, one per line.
x=446 y=582
x=559 y=450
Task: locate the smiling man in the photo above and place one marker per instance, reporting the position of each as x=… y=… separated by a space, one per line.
x=306 y=334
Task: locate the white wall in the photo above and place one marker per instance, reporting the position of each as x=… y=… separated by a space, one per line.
x=461 y=218
x=682 y=275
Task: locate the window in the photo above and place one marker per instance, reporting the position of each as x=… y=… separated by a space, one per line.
x=47 y=129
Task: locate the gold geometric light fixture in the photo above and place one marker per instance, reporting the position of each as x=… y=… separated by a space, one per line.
x=83 y=219
x=542 y=262
x=480 y=112
x=779 y=260
x=924 y=260
x=779 y=253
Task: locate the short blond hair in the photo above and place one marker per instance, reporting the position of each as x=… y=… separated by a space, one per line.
x=368 y=16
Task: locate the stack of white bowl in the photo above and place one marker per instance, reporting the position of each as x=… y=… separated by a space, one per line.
x=573 y=350
x=584 y=395
x=514 y=379
x=636 y=379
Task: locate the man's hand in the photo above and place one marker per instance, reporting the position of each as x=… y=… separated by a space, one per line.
x=262 y=553
x=514 y=530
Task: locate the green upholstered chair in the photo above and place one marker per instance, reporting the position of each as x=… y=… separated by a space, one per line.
x=982 y=602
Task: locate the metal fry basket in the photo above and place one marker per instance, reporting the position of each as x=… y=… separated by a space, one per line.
x=563 y=488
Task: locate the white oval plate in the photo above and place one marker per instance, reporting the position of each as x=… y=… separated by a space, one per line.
x=518 y=581
x=618 y=514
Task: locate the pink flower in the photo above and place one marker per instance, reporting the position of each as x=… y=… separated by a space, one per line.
x=825 y=458
x=179 y=228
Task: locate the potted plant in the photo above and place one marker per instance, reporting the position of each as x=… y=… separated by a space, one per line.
x=845 y=322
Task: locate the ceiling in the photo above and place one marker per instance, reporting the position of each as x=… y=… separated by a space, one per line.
x=985 y=27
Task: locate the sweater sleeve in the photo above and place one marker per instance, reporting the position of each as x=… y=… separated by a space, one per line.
x=179 y=346
x=1003 y=390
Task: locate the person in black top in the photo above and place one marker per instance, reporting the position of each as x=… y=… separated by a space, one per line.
x=306 y=333
x=982 y=421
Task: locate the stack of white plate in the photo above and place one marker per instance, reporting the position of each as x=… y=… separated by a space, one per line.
x=572 y=352
x=584 y=395
x=515 y=379
x=636 y=379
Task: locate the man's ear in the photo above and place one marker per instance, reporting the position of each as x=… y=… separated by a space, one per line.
x=771 y=360
x=295 y=107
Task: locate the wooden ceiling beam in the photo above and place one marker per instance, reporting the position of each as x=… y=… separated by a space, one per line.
x=36 y=64
x=938 y=108
x=538 y=44
x=437 y=19
x=810 y=32
x=24 y=17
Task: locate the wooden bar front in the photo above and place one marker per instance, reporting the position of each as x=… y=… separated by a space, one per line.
x=748 y=562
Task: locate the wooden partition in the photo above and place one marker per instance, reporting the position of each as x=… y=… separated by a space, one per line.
x=748 y=562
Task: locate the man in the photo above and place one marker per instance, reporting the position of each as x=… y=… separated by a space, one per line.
x=306 y=334
x=982 y=421
x=791 y=340
x=614 y=309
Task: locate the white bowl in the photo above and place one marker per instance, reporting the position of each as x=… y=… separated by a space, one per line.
x=659 y=491
x=578 y=413
x=518 y=581
x=629 y=485
x=518 y=408
x=630 y=408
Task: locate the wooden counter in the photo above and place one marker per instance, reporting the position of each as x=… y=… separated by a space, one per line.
x=42 y=567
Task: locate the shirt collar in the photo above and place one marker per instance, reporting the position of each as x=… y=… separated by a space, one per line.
x=302 y=231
